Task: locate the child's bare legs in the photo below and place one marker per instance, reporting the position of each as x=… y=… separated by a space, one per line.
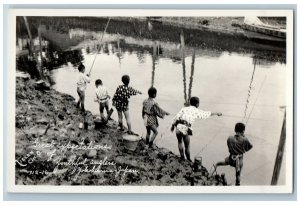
x=81 y=99
x=120 y=117
x=126 y=113
x=154 y=130
x=179 y=136
x=238 y=174
x=101 y=105
x=186 y=140
x=106 y=106
x=222 y=163
x=148 y=128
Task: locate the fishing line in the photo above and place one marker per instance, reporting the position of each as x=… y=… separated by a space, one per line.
x=205 y=146
x=249 y=91
x=256 y=98
x=99 y=46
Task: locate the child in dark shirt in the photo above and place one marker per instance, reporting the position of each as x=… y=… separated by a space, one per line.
x=121 y=101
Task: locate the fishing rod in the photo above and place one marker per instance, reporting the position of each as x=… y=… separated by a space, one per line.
x=99 y=46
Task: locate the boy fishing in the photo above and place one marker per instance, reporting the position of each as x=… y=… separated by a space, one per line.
x=150 y=112
x=121 y=102
x=81 y=85
x=237 y=146
x=183 y=122
x=102 y=97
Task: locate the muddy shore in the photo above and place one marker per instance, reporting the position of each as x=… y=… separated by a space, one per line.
x=51 y=149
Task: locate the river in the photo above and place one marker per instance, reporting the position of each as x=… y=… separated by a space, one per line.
x=246 y=85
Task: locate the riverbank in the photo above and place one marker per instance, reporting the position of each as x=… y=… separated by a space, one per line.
x=51 y=149
x=219 y=24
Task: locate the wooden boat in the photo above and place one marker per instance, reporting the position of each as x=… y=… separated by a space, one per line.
x=255 y=29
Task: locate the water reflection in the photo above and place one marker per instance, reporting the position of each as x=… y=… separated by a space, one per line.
x=192 y=76
x=60 y=30
x=187 y=93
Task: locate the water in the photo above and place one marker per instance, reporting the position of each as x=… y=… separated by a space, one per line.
x=225 y=82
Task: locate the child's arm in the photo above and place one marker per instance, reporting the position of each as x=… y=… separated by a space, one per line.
x=133 y=91
x=248 y=145
x=96 y=97
x=87 y=78
x=107 y=94
x=216 y=113
x=159 y=112
x=206 y=114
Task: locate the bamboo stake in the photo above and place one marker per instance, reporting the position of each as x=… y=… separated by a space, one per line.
x=280 y=152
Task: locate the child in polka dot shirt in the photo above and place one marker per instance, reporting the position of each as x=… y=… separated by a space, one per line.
x=183 y=122
x=121 y=101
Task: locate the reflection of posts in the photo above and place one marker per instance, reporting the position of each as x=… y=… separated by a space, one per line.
x=119 y=54
x=192 y=75
x=183 y=66
x=154 y=57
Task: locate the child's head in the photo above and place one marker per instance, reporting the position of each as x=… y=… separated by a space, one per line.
x=81 y=68
x=194 y=101
x=239 y=128
x=125 y=79
x=152 y=92
x=98 y=82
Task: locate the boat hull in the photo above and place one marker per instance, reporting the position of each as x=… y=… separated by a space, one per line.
x=264 y=33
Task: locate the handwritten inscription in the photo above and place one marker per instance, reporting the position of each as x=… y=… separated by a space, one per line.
x=65 y=156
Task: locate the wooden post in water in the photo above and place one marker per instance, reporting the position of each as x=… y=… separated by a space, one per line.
x=280 y=152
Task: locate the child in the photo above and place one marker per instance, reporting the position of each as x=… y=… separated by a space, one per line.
x=102 y=97
x=81 y=86
x=120 y=101
x=183 y=122
x=150 y=112
x=237 y=146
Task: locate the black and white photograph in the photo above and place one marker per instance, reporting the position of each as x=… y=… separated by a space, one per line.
x=166 y=100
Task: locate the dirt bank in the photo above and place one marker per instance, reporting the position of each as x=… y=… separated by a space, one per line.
x=51 y=148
